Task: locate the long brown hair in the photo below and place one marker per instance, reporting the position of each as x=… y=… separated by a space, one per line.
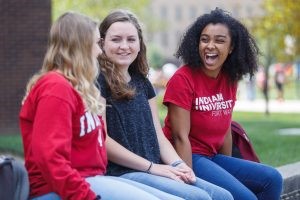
x=70 y=52
x=118 y=86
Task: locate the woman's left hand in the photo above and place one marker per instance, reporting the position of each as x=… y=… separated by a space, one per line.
x=189 y=176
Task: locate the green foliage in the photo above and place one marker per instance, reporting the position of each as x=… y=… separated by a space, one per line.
x=281 y=19
x=97 y=8
x=156 y=59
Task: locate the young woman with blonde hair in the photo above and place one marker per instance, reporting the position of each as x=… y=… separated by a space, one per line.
x=61 y=124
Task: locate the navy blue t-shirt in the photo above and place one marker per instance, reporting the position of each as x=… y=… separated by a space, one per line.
x=129 y=122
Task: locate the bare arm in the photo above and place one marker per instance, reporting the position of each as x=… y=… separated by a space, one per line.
x=167 y=152
x=120 y=155
x=226 y=148
x=180 y=123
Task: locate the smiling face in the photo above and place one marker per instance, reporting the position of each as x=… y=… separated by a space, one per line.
x=121 y=44
x=214 y=47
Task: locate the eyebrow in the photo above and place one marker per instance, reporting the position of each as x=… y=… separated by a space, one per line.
x=225 y=36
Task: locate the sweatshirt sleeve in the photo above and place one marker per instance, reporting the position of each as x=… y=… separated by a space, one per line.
x=51 y=147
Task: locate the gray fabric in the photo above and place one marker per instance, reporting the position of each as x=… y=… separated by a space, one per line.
x=130 y=123
x=14 y=182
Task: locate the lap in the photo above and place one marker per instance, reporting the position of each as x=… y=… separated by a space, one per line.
x=152 y=190
x=251 y=174
x=216 y=192
x=113 y=188
x=200 y=190
x=244 y=179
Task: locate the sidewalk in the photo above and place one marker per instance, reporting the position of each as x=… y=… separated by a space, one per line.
x=287 y=106
x=291 y=177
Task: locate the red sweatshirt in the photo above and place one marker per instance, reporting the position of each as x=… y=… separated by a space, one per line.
x=63 y=143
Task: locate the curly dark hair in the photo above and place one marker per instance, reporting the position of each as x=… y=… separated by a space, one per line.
x=242 y=60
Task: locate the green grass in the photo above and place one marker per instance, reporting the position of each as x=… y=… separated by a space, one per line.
x=11 y=144
x=272 y=148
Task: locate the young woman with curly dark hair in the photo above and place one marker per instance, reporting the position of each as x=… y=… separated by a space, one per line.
x=217 y=51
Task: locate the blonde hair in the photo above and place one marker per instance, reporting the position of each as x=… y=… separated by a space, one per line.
x=70 y=51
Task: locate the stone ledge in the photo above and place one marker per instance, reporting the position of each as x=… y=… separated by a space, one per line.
x=291 y=181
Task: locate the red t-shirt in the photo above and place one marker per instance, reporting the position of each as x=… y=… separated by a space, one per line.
x=62 y=142
x=210 y=102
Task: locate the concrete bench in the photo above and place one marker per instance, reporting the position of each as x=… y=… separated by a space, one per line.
x=291 y=184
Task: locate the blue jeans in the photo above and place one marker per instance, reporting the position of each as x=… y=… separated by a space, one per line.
x=244 y=179
x=115 y=188
x=201 y=190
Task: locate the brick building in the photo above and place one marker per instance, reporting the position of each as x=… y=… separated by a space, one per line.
x=24 y=28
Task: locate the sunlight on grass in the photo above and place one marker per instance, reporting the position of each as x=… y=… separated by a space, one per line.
x=272 y=148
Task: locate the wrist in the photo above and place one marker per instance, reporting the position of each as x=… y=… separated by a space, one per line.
x=149 y=168
x=176 y=163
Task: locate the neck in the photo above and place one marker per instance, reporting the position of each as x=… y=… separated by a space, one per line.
x=126 y=75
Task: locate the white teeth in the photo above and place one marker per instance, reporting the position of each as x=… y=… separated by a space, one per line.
x=211 y=54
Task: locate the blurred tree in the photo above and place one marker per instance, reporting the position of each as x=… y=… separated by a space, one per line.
x=97 y=8
x=156 y=59
x=278 y=30
x=278 y=34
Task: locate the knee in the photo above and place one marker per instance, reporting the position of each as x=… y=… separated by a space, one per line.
x=246 y=196
x=222 y=196
x=197 y=194
x=243 y=193
x=225 y=195
x=275 y=179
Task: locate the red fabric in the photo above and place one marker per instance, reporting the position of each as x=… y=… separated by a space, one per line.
x=242 y=142
x=62 y=142
x=210 y=102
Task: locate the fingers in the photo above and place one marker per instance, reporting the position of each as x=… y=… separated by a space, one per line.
x=177 y=178
x=190 y=178
x=180 y=173
x=168 y=171
x=193 y=177
x=189 y=174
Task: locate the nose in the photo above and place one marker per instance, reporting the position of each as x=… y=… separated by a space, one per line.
x=210 y=44
x=124 y=44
